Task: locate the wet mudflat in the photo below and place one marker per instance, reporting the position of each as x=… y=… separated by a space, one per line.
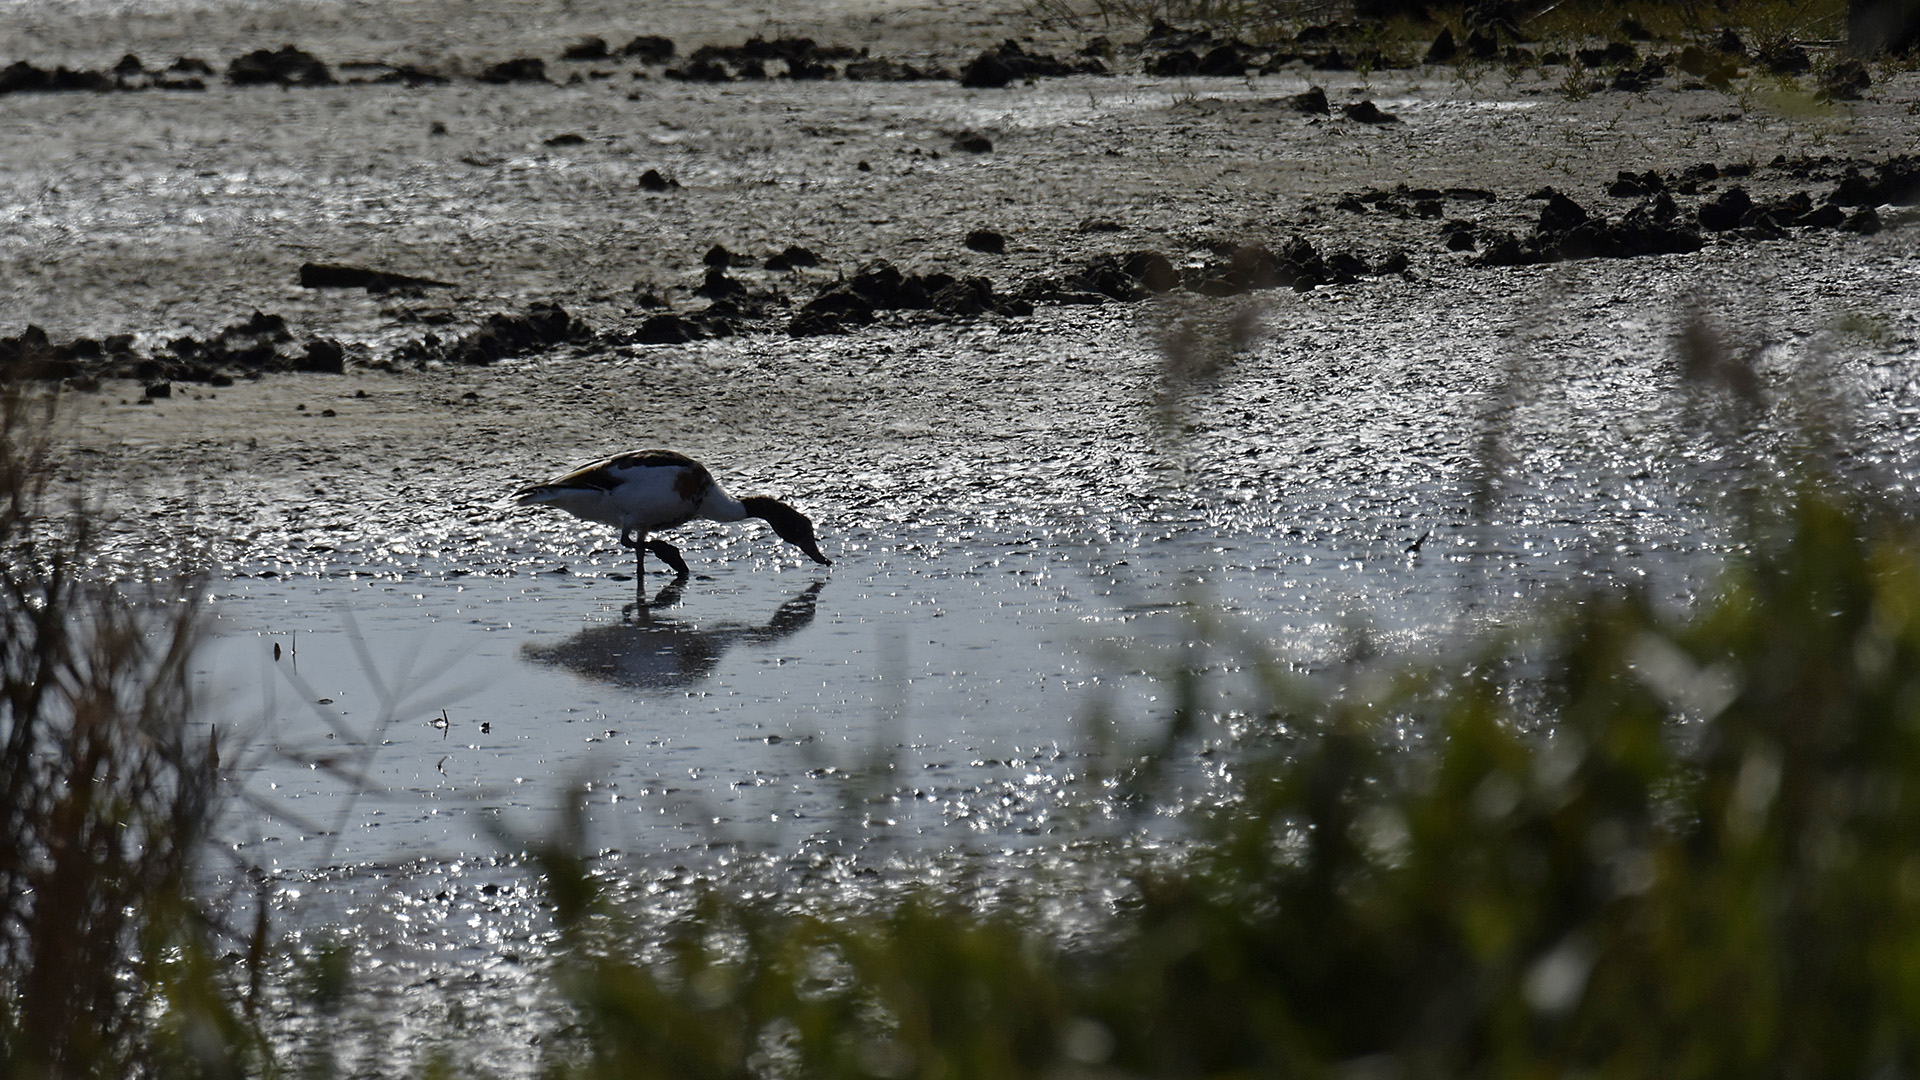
x=1017 y=504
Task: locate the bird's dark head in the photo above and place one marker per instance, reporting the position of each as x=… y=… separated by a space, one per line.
x=791 y=524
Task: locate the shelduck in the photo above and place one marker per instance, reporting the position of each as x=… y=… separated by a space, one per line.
x=645 y=491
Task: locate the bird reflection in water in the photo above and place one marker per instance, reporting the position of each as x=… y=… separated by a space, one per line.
x=648 y=651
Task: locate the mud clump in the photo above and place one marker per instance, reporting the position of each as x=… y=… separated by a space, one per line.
x=286 y=66
x=1896 y=182
x=792 y=257
x=129 y=74
x=1366 y=112
x=588 y=48
x=256 y=346
x=649 y=49
x=1566 y=230
x=801 y=58
x=880 y=287
x=527 y=69
x=340 y=276
x=986 y=241
x=503 y=337
x=1313 y=102
x=1010 y=62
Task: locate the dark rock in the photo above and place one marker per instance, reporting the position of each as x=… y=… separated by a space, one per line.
x=1346 y=266
x=1175 y=64
x=1223 y=60
x=1726 y=211
x=1366 y=112
x=709 y=71
x=129 y=66
x=1561 y=214
x=880 y=69
x=325 y=356
x=835 y=310
x=1618 y=54
x=1640 y=79
x=1845 y=81
x=967 y=296
x=1729 y=43
x=29 y=355
x=589 y=48
x=1718 y=70
x=1444 y=47
x=996 y=68
x=651 y=180
x=1825 y=216
x=719 y=286
x=1483 y=45
x=1312 y=102
x=987 y=72
x=287 y=66
x=817 y=324
x=1331 y=60
x=1785 y=57
x=519 y=69
x=1504 y=250
x=973 y=142
x=159 y=390
x=21 y=77
x=505 y=336
x=988 y=241
x=720 y=257
x=1628 y=185
x=568 y=139
x=664 y=330
x=887 y=288
x=1151 y=269
x=1458 y=236
x=791 y=257
x=338 y=276
x=1865 y=221
x=408 y=75
x=650 y=49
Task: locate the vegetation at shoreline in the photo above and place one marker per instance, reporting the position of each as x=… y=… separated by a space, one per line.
x=107 y=791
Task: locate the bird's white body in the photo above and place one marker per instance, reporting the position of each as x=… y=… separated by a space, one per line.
x=640 y=493
x=650 y=490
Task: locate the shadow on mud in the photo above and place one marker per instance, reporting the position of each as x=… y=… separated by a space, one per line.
x=645 y=650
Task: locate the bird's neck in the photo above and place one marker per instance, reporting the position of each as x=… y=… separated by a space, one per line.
x=720 y=506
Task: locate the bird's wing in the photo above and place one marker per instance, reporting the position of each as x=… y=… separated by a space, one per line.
x=642 y=459
x=595 y=477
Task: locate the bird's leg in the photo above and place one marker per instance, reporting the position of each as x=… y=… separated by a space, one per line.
x=626 y=538
x=669 y=555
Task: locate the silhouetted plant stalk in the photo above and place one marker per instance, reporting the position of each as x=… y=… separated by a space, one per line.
x=106 y=794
